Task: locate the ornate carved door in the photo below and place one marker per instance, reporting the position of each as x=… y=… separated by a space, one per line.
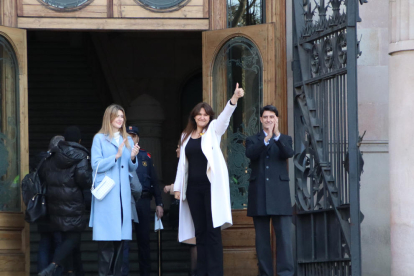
x=327 y=162
x=14 y=152
x=245 y=55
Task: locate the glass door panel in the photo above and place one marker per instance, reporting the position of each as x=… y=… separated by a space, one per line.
x=9 y=130
x=14 y=153
x=238 y=61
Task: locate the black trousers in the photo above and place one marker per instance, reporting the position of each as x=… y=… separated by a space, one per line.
x=142 y=232
x=284 y=259
x=64 y=254
x=208 y=238
x=110 y=258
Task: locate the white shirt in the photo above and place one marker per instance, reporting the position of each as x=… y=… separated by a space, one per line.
x=267 y=143
x=116 y=137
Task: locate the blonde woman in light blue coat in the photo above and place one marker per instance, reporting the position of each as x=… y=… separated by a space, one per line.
x=111 y=221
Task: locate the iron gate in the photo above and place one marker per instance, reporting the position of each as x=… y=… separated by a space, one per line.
x=327 y=161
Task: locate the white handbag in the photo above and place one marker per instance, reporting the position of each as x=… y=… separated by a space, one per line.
x=103 y=188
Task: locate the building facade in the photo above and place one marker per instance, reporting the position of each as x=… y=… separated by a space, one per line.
x=65 y=61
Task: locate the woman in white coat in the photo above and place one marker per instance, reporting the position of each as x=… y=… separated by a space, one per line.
x=202 y=184
x=113 y=155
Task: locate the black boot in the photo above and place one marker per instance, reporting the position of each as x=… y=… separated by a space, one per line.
x=49 y=270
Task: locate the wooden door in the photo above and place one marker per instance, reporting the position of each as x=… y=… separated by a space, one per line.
x=14 y=152
x=245 y=55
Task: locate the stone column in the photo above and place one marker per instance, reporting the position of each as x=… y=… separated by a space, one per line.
x=401 y=135
x=146 y=113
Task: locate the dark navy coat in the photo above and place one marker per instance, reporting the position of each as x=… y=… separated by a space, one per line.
x=269 y=192
x=147 y=175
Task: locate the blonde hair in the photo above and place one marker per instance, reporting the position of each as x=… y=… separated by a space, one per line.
x=110 y=114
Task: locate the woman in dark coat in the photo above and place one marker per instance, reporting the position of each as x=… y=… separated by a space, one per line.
x=67 y=173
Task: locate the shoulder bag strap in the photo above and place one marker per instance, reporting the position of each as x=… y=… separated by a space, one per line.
x=96 y=172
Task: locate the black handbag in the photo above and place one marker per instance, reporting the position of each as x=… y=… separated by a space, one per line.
x=34 y=196
x=36 y=208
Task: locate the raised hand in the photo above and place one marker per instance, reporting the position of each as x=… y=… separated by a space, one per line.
x=269 y=132
x=120 y=150
x=276 y=127
x=134 y=151
x=238 y=93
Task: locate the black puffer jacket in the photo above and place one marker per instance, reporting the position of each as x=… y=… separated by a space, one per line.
x=66 y=173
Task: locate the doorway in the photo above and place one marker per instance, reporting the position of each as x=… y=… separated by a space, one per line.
x=74 y=76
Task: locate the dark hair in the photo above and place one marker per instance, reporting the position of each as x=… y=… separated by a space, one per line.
x=72 y=134
x=55 y=140
x=192 y=125
x=269 y=108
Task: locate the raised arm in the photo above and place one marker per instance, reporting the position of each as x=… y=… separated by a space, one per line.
x=133 y=164
x=223 y=119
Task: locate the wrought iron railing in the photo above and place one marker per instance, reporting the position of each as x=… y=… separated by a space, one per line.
x=326 y=136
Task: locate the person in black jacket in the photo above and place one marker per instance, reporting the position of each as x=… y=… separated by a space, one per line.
x=67 y=173
x=269 y=194
x=50 y=238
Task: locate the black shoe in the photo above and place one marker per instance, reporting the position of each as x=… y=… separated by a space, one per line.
x=49 y=270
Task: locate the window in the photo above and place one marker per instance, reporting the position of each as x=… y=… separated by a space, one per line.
x=163 y=5
x=245 y=12
x=68 y=5
x=238 y=61
x=9 y=130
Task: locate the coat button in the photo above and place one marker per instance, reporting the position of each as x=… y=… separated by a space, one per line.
x=267 y=179
x=267 y=167
x=122 y=167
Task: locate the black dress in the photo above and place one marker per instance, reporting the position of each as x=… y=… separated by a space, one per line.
x=208 y=239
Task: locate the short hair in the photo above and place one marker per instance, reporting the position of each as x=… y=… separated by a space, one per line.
x=269 y=108
x=72 y=134
x=55 y=140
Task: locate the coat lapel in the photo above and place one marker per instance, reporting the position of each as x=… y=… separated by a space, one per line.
x=260 y=136
x=112 y=141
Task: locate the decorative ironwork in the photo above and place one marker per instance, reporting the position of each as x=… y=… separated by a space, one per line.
x=162 y=5
x=65 y=5
x=9 y=130
x=326 y=132
x=323 y=17
x=238 y=61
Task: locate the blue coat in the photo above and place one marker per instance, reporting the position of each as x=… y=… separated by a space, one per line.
x=106 y=214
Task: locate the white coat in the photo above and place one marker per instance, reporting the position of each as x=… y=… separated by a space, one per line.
x=105 y=217
x=216 y=172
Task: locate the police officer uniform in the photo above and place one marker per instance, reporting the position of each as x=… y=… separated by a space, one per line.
x=150 y=188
